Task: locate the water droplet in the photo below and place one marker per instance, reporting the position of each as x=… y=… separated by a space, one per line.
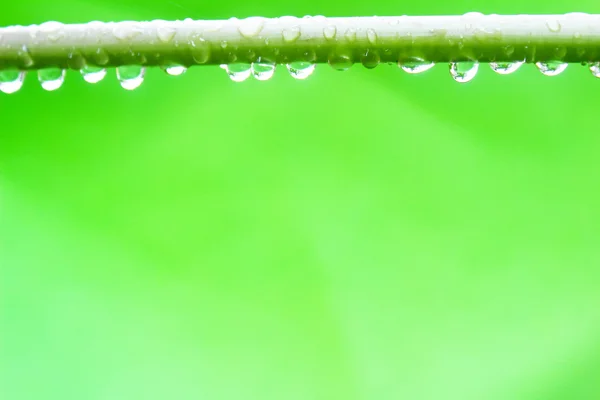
x=595 y=69
x=370 y=59
x=250 y=27
x=223 y=44
x=463 y=71
x=125 y=31
x=175 y=70
x=262 y=70
x=350 y=34
x=371 y=36
x=93 y=74
x=11 y=80
x=76 y=60
x=329 y=32
x=200 y=50
x=301 y=69
x=165 y=33
x=51 y=78
x=509 y=50
x=25 y=57
x=560 y=53
x=340 y=61
x=291 y=34
x=131 y=76
x=101 y=57
x=238 y=72
x=553 y=25
x=415 y=65
x=551 y=68
x=505 y=68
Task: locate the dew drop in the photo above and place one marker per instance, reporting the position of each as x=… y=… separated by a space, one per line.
x=250 y=27
x=51 y=78
x=505 y=68
x=238 y=72
x=595 y=69
x=551 y=68
x=131 y=76
x=11 y=80
x=415 y=65
x=262 y=70
x=291 y=34
x=125 y=31
x=301 y=69
x=101 y=57
x=200 y=50
x=371 y=36
x=329 y=32
x=463 y=71
x=175 y=70
x=509 y=50
x=553 y=25
x=340 y=61
x=370 y=59
x=76 y=60
x=350 y=34
x=165 y=33
x=93 y=74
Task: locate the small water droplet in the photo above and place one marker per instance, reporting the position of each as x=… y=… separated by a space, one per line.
x=250 y=27
x=350 y=34
x=340 y=61
x=463 y=71
x=175 y=70
x=200 y=50
x=101 y=57
x=223 y=44
x=51 y=78
x=553 y=25
x=415 y=65
x=551 y=68
x=125 y=31
x=595 y=69
x=291 y=34
x=25 y=57
x=309 y=55
x=300 y=69
x=76 y=60
x=11 y=81
x=262 y=70
x=165 y=33
x=509 y=50
x=329 y=32
x=370 y=59
x=131 y=76
x=238 y=72
x=560 y=53
x=371 y=36
x=93 y=74
x=505 y=68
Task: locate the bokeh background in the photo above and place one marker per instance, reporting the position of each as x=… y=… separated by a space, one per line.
x=363 y=235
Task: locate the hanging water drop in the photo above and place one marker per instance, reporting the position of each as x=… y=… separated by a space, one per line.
x=505 y=68
x=463 y=71
x=175 y=70
x=301 y=69
x=340 y=61
x=11 y=81
x=93 y=74
x=415 y=65
x=51 y=78
x=551 y=68
x=370 y=59
x=329 y=32
x=238 y=72
x=595 y=69
x=262 y=70
x=131 y=76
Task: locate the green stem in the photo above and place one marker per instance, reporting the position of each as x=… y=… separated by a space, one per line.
x=571 y=37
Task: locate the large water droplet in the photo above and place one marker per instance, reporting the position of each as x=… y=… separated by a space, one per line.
x=551 y=68
x=51 y=78
x=329 y=32
x=262 y=70
x=238 y=72
x=175 y=70
x=301 y=69
x=463 y=71
x=165 y=33
x=93 y=74
x=505 y=68
x=291 y=34
x=595 y=69
x=131 y=76
x=370 y=59
x=340 y=61
x=415 y=65
x=250 y=27
x=11 y=80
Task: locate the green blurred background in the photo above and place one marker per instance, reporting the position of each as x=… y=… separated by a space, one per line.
x=359 y=235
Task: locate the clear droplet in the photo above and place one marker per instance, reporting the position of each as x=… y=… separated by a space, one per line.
x=175 y=70
x=76 y=60
x=553 y=25
x=200 y=50
x=551 y=68
x=291 y=34
x=238 y=72
x=595 y=69
x=415 y=65
x=370 y=59
x=51 y=78
x=329 y=32
x=165 y=33
x=101 y=57
x=371 y=36
x=262 y=70
x=350 y=34
x=505 y=68
x=250 y=27
x=93 y=74
x=26 y=59
x=301 y=69
x=340 y=61
x=463 y=71
x=131 y=76
x=11 y=80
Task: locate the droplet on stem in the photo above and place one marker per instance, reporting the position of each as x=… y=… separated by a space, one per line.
x=131 y=76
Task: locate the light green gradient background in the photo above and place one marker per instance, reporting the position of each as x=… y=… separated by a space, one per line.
x=361 y=235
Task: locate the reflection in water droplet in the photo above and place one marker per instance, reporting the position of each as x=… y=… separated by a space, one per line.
x=505 y=68
x=340 y=61
x=595 y=69
x=238 y=72
x=551 y=68
x=51 y=78
x=250 y=27
x=301 y=69
x=370 y=59
x=175 y=70
x=11 y=80
x=131 y=76
x=415 y=65
x=291 y=34
x=93 y=74
x=262 y=70
x=329 y=32
x=463 y=71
